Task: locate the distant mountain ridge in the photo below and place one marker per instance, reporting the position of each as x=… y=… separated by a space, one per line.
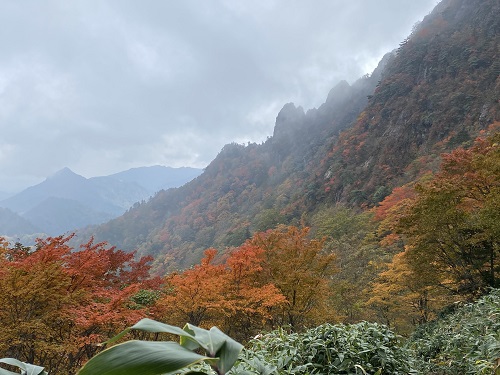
x=156 y=177
x=66 y=201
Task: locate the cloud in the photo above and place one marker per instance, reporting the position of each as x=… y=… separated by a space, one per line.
x=102 y=86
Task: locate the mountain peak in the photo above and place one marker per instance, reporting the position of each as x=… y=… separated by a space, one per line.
x=64 y=173
x=339 y=92
x=289 y=119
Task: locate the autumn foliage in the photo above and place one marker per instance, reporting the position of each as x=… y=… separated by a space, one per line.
x=301 y=270
x=453 y=222
x=56 y=304
x=276 y=278
x=450 y=229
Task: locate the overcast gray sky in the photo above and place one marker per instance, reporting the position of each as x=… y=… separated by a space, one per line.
x=103 y=86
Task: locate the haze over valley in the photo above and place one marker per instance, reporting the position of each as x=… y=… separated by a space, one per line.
x=67 y=201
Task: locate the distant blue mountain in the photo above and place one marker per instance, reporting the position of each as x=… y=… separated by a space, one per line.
x=12 y=224
x=157 y=177
x=60 y=215
x=68 y=185
x=66 y=201
x=5 y=195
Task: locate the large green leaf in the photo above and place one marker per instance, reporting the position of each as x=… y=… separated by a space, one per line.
x=7 y=372
x=28 y=369
x=205 y=339
x=222 y=351
x=228 y=353
x=217 y=344
x=141 y=358
x=150 y=325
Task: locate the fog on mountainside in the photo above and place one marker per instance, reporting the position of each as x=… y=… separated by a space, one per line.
x=436 y=92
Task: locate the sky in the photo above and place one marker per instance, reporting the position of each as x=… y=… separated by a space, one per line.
x=101 y=86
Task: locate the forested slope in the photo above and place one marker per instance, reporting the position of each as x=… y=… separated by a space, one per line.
x=435 y=93
x=439 y=91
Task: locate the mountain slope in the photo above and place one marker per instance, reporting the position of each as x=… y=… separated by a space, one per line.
x=441 y=89
x=437 y=91
x=246 y=188
x=12 y=224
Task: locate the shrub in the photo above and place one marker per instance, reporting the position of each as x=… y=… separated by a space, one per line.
x=363 y=348
x=465 y=341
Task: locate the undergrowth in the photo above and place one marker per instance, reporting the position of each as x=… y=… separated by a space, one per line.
x=464 y=340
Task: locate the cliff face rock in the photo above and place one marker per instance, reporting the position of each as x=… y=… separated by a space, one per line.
x=289 y=120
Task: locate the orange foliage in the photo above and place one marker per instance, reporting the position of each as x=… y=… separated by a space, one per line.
x=392 y=201
x=56 y=303
x=278 y=277
x=401 y=298
x=301 y=270
x=228 y=295
x=450 y=229
x=193 y=295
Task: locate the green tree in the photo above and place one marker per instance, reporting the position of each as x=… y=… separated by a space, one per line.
x=349 y=235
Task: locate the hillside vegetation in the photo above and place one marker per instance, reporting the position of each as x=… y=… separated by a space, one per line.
x=463 y=341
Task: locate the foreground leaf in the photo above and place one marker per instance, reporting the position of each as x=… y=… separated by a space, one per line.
x=141 y=358
x=217 y=344
x=228 y=352
x=27 y=368
x=149 y=325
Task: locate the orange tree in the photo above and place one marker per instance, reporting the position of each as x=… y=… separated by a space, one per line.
x=301 y=270
x=452 y=226
x=255 y=300
x=195 y=295
x=229 y=295
x=56 y=303
x=276 y=278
